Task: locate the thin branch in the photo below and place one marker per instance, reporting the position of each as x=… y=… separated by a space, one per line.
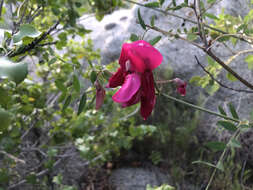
x=40 y=174
x=46 y=44
x=24 y=3
x=177 y=16
x=200 y=23
x=183 y=18
x=34 y=43
x=240 y=36
x=237 y=54
x=1 y=7
x=200 y=108
x=229 y=69
x=12 y=157
x=221 y=84
x=174 y=35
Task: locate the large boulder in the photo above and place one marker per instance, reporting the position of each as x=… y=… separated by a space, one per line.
x=137 y=178
x=109 y=34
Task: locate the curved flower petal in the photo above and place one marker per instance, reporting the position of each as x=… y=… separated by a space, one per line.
x=134 y=100
x=148 y=94
x=117 y=79
x=130 y=87
x=124 y=55
x=144 y=56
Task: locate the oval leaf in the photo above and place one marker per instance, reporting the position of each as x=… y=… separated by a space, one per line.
x=13 y=71
x=222 y=111
x=82 y=103
x=227 y=125
x=76 y=83
x=141 y=21
x=233 y=111
x=93 y=76
x=25 y=30
x=216 y=146
x=152 y=4
x=155 y=40
x=5 y=118
x=67 y=102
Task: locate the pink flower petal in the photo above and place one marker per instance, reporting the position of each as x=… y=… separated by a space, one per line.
x=148 y=94
x=124 y=55
x=131 y=85
x=144 y=56
x=134 y=100
x=117 y=79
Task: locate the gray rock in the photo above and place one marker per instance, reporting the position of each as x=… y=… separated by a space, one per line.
x=137 y=178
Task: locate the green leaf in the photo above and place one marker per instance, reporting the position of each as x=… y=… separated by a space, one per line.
x=142 y=23
x=191 y=36
x=67 y=102
x=59 y=84
x=222 y=111
x=227 y=125
x=76 y=83
x=211 y=1
x=93 y=76
x=212 y=16
x=233 y=111
x=174 y=3
x=162 y=1
x=32 y=179
x=249 y=60
x=235 y=143
x=52 y=61
x=152 y=22
x=134 y=37
x=155 y=40
x=152 y=4
x=5 y=118
x=208 y=164
x=16 y=72
x=231 y=77
x=82 y=103
x=186 y=2
x=216 y=146
x=25 y=30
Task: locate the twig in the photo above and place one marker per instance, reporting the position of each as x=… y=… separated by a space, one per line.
x=1 y=7
x=174 y=35
x=237 y=54
x=46 y=44
x=40 y=174
x=23 y=13
x=221 y=84
x=236 y=134
x=231 y=35
x=200 y=22
x=34 y=43
x=12 y=157
x=229 y=69
x=177 y=16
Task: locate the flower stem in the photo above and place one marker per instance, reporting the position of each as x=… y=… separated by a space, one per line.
x=200 y=108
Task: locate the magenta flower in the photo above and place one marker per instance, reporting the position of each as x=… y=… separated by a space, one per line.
x=137 y=60
x=181 y=86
